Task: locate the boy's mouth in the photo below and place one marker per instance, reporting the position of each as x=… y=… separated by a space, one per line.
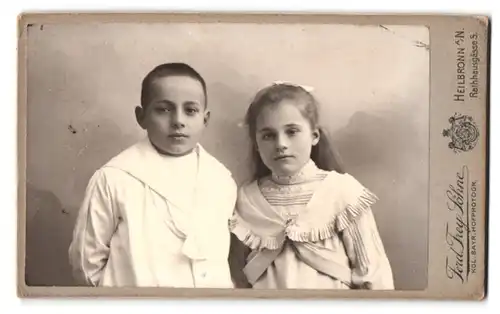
x=178 y=135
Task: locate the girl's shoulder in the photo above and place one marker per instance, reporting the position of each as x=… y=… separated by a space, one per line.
x=353 y=197
x=248 y=187
x=345 y=180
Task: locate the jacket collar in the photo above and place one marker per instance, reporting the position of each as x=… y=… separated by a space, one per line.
x=142 y=161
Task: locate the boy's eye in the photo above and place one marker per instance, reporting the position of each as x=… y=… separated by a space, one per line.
x=163 y=109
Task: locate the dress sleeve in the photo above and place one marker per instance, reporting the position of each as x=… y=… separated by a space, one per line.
x=370 y=266
x=95 y=225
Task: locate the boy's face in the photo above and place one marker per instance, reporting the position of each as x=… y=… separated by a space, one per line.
x=175 y=116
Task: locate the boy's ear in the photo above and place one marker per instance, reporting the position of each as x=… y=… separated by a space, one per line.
x=316 y=135
x=206 y=118
x=139 y=116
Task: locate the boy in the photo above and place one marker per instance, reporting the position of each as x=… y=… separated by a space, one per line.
x=157 y=214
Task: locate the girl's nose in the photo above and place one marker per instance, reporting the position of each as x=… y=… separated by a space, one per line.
x=280 y=149
x=281 y=143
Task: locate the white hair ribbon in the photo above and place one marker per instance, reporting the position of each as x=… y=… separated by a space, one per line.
x=306 y=88
x=309 y=89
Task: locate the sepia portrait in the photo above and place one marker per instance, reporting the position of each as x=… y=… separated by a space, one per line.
x=232 y=155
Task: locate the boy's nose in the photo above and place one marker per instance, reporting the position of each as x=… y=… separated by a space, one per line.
x=178 y=120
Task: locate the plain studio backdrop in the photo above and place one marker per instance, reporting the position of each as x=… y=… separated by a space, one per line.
x=372 y=82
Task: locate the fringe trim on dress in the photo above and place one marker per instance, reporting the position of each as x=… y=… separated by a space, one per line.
x=252 y=240
x=352 y=211
x=338 y=223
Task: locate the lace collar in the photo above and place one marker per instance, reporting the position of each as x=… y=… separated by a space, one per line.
x=307 y=172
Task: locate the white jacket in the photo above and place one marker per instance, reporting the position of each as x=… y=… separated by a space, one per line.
x=142 y=225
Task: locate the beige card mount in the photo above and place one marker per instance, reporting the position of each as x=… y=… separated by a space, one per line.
x=405 y=99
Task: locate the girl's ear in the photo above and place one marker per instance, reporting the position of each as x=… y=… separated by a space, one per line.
x=140 y=114
x=206 y=118
x=316 y=135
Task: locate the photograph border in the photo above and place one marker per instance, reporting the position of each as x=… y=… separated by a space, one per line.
x=443 y=73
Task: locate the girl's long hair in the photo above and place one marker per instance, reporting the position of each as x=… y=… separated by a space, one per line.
x=323 y=154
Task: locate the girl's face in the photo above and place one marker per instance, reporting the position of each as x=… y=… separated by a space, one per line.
x=284 y=138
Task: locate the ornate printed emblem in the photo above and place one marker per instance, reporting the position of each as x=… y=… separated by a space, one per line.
x=463 y=133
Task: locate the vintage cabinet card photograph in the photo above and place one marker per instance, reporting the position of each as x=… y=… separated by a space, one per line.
x=253 y=155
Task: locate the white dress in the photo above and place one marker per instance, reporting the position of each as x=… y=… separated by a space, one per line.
x=314 y=230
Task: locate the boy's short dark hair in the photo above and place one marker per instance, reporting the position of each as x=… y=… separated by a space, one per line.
x=169 y=69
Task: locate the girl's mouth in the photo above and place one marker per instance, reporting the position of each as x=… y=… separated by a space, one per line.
x=283 y=157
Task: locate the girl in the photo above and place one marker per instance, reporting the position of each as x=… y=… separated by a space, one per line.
x=305 y=223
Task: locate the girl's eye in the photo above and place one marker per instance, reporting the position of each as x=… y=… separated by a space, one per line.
x=267 y=136
x=292 y=131
x=191 y=111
